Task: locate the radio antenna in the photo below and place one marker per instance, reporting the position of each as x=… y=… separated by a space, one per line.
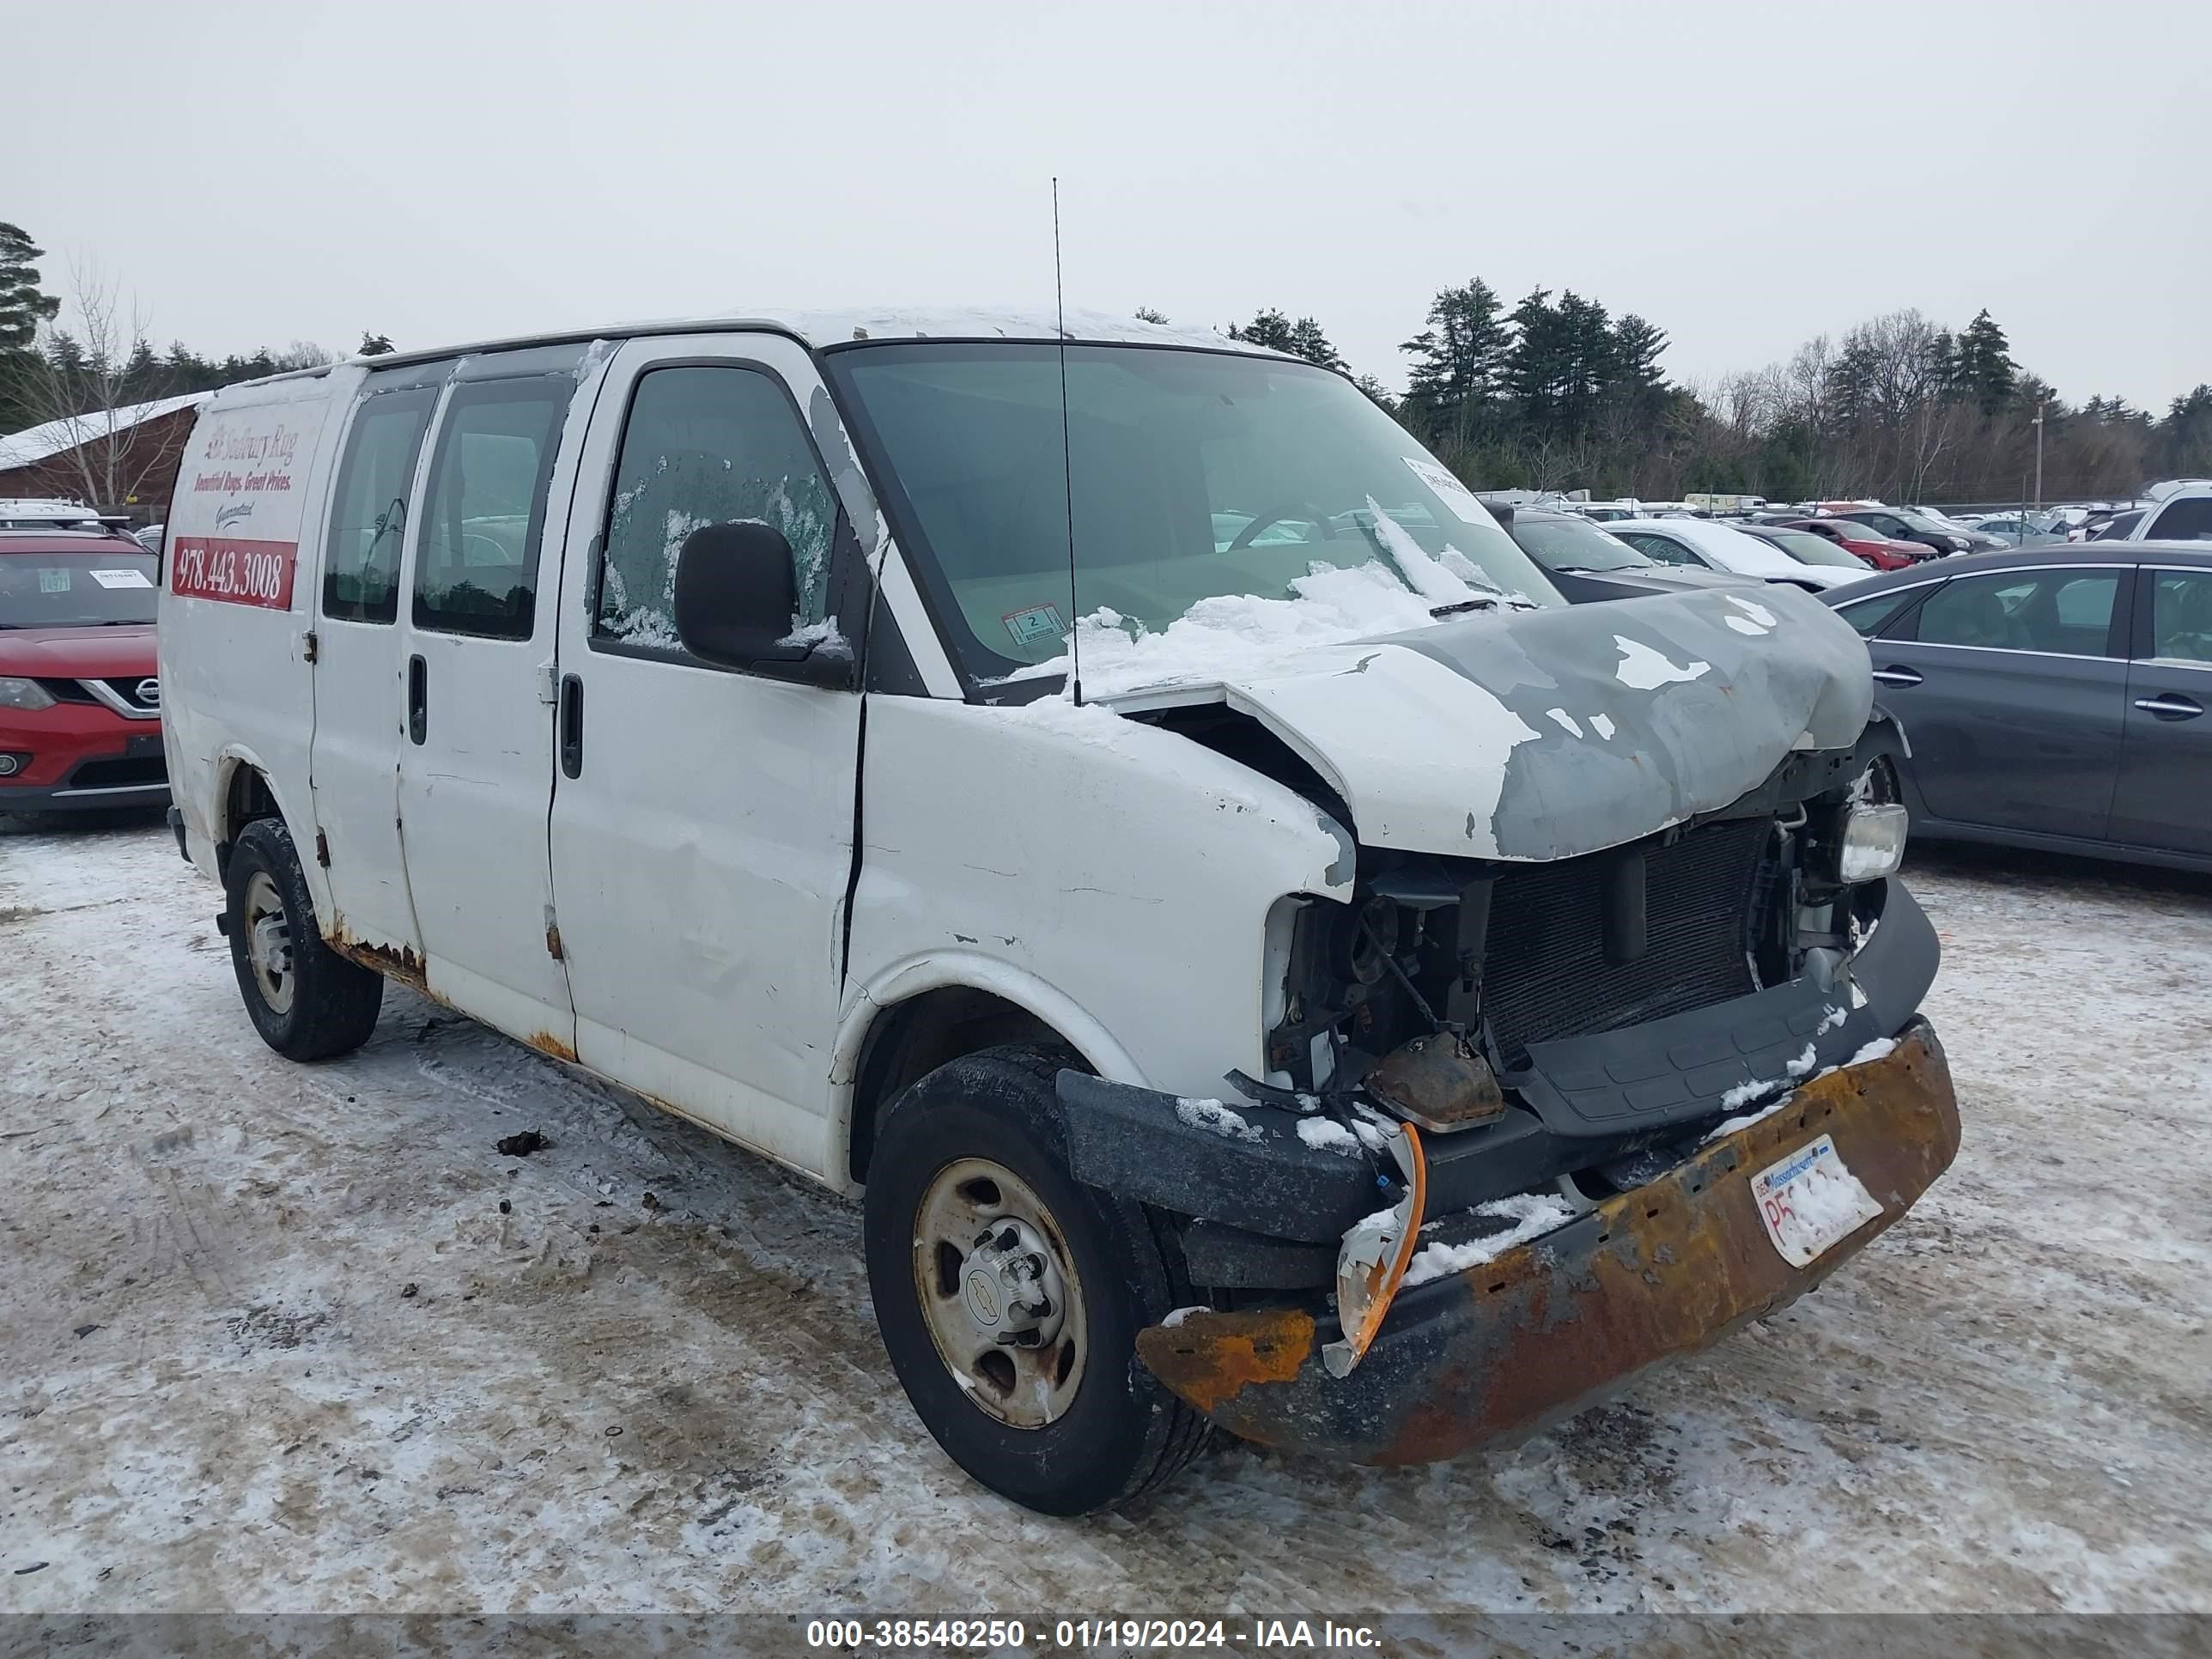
x=1066 y=457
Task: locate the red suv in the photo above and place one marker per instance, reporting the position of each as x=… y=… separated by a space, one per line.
x=80 y=707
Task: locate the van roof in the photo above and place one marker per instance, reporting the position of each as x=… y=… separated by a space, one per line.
x=818 y=329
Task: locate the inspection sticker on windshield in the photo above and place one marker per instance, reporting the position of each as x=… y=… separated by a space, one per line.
x=1458 y=497
x=1809 y=1201
x=1039 y=621
x=119 y=578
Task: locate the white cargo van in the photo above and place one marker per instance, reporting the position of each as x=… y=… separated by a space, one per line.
x=1381 y=1012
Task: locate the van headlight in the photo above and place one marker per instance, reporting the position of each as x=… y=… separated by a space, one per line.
x=1872 y=844
x=24 y=693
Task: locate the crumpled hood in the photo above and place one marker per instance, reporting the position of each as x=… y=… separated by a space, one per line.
x=1541 y=734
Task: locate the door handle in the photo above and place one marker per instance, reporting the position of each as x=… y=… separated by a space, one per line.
x=1894 y=676
x=2171 y=705
x=418 y=710
x=572 y=726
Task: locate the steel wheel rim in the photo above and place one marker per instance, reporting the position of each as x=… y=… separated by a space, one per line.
x=978 y=1233
x=268 y=942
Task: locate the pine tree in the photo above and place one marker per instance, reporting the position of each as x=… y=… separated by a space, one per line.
x=1270 y=329
x=2182 y=443
x=1985 y=369
x=1849 y=395
x=1539 y=365
x=1308 y=341
x=1586 y=365
x=1459 y=367
x=1637 y=345
x=1943 y=365
x=23 y=304
x=377 y=345
x=1302 y=338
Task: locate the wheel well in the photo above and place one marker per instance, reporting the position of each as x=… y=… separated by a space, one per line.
x=245 y=797
x=913 y=1038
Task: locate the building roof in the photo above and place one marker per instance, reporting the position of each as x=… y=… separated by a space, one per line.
x=40 y=443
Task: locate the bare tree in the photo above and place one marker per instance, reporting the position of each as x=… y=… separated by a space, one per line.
x=304 y=353
x=79 y=380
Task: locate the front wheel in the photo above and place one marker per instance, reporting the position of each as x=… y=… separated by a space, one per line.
x=1010 y=1295
x=308 y=1001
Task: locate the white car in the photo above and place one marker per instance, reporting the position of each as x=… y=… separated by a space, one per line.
x=1188 y=917
x=2180 y=510
x=1721 y=547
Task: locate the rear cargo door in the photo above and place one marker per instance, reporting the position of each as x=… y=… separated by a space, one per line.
x=477 y=670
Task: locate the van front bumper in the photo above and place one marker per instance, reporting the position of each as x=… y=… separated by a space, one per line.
x=1504 y=1350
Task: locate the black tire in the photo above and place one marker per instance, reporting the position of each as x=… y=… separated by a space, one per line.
x=1124 y=1433
x=333 y=1002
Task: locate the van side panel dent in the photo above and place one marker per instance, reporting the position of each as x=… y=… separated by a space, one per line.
x=1071 y=861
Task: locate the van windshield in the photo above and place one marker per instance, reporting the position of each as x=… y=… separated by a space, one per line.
x=1213 y=491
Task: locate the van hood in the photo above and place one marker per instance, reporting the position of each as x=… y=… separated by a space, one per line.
x=1541 y=734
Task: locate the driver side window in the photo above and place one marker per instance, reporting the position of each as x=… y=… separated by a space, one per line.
x=706 y=444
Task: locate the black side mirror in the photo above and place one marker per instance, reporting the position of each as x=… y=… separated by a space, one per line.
x=736 y=599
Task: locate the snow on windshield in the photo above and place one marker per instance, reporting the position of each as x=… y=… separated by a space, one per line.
x=1443 y=580
x=1235 y=634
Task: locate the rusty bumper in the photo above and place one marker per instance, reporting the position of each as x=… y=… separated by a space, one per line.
x=1502 y=1350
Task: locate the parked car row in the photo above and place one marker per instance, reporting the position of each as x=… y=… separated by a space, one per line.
x=80 y=701
x=2053 y=697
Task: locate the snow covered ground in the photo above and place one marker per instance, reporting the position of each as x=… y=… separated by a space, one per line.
x=275 y=1336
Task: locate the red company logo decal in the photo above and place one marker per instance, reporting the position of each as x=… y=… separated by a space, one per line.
x=234 y=572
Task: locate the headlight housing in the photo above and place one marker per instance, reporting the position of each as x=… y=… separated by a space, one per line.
x=1871 y=844
x=24 y=693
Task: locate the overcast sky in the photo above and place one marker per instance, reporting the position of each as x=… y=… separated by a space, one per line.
x=1745 y=176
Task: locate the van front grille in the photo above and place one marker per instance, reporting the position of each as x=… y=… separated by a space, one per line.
x=1545 y=972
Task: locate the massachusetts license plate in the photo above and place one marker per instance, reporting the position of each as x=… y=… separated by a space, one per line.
x=1809 y=1203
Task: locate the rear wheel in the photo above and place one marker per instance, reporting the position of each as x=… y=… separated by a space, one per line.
x=1010 y=1295
x=308 y=1001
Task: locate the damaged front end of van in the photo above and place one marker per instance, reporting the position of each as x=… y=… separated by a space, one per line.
x=1615 y=1046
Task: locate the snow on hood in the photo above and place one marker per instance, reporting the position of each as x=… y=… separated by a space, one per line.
x=1539 y=734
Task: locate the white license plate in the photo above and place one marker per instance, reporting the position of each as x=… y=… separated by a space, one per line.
x=1810 y=1202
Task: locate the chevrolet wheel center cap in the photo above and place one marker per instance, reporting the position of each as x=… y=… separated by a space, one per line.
x=982 y=1297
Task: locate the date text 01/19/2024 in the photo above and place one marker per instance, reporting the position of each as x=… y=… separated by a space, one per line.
x=1000 y=1635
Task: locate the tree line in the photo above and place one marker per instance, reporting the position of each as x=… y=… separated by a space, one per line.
x=1551 y=393
x=1555 y=392
x=97 y=356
